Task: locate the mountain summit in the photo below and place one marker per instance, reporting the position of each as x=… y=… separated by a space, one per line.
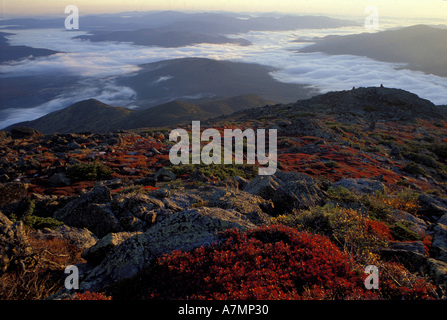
x=378 y=102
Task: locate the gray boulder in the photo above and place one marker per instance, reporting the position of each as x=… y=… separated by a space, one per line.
x=288 y=190
x=361 y=185
x=439 y=245
x=99 y=213
x=251 y=206
x=431 y=205
x=95 y=254
x=411 y=254
x=91 y=211
x=437 y=270
x=59 y=180
x=147 y=209
x=165 y=175
x=417 y=224
x=81 y=238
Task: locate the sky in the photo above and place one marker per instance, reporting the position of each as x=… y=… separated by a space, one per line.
x=397 y=8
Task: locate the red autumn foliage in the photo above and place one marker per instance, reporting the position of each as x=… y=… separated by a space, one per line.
x=267 y=263
x=90 y=296
x=378 y=229
x=275 y=263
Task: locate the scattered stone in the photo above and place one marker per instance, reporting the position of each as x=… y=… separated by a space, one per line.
x=288 y=191
x=164 y=175
x=432 y=206
x=417 y=225
x=81 y=238
x=236 y=182
x=439 y=245
x=90 y=211
x=198 y=176
x=361 y=185
x=96 y=253
x=411 y=254
x=74 y=146
x=59 y=180
x=437 y=270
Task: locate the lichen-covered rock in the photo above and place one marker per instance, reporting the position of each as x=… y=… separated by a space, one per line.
x=251 y=206
x=288 y=190
x=184 y=230
x=437 y=270
x=59 y=180
x=96 y=253
x=90 y=211
x=361 y=185
x=165 y=175
x=417 y=224
x=411 y=254
x=431 y=205
x=140 y=206
x=439 y=245
x=81 y=238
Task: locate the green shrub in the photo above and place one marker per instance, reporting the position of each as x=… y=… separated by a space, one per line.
x=439 y=149
x=89 y=172
x=35 y=222
x=221 y=172
x=331 y=164
x=369 y=108
x=414 y=168
x=342 y=194
x=348 y=228
x=401 y=232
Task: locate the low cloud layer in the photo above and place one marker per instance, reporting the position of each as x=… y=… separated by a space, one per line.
x=106 y=91
x=100 y=63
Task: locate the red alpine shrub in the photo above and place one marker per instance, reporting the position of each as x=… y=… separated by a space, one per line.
x=268 y=263
x=90 y=296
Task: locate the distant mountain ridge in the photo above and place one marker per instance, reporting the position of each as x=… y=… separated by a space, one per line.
x=422 y=47
x=200 y=78
x=160 y=38
x=369 y=104
x=204 y=22
x=94 y=116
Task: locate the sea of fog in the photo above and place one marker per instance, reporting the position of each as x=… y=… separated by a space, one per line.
x=99 y=63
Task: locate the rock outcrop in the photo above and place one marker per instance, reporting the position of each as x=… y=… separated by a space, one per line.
x=288 y=190
x=361 y=185
x=184 y=230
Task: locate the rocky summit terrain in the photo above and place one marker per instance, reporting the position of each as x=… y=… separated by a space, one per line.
x=361 y=180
